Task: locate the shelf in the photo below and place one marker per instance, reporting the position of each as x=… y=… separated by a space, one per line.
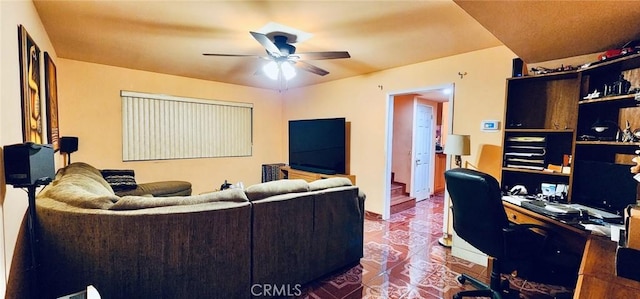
x=535 y=171
x=625 y=62
x=613 y=143
x=553 y=75
x=623 y=97
x=538 y=131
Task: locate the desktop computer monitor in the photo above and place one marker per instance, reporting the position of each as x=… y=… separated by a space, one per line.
x=607 y=186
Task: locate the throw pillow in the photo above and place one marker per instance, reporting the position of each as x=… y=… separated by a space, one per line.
x=120 y=179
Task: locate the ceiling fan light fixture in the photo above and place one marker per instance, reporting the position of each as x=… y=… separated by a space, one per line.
x=271 y=70
x=287 y=70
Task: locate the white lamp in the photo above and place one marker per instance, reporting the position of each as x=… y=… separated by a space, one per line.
x=458 y=145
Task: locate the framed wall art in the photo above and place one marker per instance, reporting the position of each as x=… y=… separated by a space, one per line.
x=51 y=98
x=30 y=87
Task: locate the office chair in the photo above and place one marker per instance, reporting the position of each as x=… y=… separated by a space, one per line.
x=480 y=219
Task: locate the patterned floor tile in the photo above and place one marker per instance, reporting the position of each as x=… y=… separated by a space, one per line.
x=403 y=259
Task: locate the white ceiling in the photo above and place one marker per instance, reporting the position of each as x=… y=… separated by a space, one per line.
x=170 y=36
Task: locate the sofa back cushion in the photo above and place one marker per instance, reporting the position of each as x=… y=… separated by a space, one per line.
x=329 y=183
x=80 y=191
x=87 y=170
x=142 y=202
x=272 y=188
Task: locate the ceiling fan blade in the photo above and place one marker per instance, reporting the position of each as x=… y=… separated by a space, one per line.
x=230 y=55
x=311 y=68
x=268 y=45
x=321 y=55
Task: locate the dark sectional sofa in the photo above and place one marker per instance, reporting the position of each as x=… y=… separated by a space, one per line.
x=257 y=242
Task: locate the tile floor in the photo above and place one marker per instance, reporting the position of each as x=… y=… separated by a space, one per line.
x=402 y=259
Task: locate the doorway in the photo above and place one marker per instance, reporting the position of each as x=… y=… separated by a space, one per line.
x=415 y=120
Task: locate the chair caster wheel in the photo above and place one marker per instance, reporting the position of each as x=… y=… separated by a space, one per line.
x=461 y=279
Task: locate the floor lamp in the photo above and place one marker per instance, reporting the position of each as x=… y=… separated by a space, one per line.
x=456 y=145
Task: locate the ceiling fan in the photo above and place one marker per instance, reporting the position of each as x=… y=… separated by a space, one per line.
x=283 y=56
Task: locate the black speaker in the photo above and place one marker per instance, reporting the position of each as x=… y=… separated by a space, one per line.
x=68 y=144
x=28 y=164
x=518 y=67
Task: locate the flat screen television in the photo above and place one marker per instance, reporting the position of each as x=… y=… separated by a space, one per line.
x=318 y=145
x=607 y=186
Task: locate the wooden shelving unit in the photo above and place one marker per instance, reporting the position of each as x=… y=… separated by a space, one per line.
x=556 y=107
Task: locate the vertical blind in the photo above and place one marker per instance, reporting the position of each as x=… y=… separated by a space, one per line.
x=158 y=127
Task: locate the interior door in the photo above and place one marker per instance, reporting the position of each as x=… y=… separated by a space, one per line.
x=423 y=151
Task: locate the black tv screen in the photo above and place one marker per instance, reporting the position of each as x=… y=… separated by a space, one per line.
x=603 y=185
x=318 y=145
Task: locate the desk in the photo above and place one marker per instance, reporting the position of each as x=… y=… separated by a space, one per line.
x=596 y=277
x=575 y=238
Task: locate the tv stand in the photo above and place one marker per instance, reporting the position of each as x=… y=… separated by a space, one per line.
x=290 y=173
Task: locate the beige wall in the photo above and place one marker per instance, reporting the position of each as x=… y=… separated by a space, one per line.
x=479 y=95
x=13 y=204
x=90 y=108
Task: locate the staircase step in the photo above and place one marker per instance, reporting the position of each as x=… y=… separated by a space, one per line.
x=398 y=189
x=398 y=192
x=401 y=203
x=400 y=199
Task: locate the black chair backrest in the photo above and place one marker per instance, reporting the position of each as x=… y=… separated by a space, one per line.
x=478 y=214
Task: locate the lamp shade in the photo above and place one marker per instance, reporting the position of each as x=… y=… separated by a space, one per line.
x=458 y=145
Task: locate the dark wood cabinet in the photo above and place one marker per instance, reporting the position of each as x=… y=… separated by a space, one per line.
x=540 y=122
x=553 y=119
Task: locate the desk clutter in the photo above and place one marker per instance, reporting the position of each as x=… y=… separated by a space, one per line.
x=597 y=221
